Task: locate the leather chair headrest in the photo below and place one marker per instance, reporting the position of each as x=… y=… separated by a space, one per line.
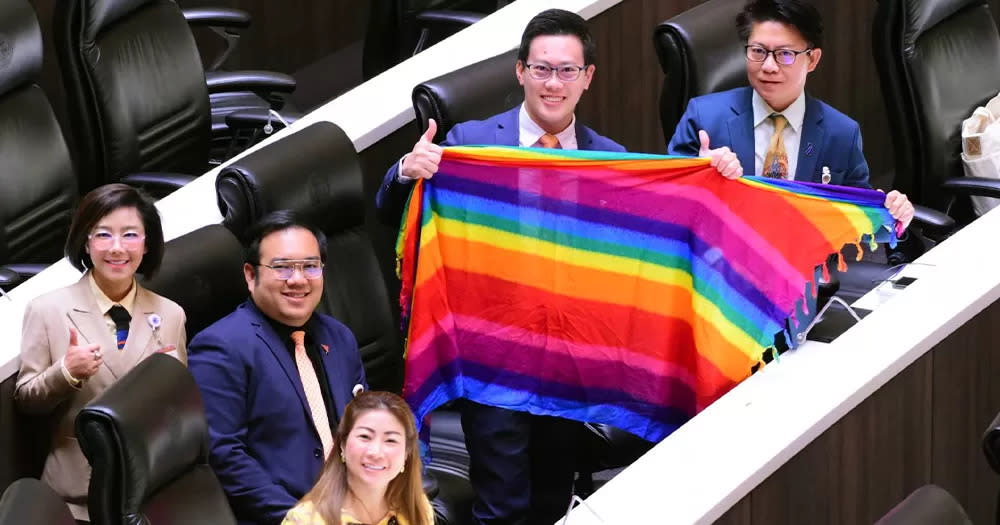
x=100 y=14
x=20 y=45
x=202 y=272
x=154 y=418
x=28 y=501
x=700 y=53
x=921 y=15
x=315 y=172
x=474 y=92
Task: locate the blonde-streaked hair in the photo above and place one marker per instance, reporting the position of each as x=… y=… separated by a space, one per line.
x=405 y=493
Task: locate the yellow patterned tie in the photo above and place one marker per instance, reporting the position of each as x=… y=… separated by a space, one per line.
x=314 y=396
x=776 y=161
x=548 y=141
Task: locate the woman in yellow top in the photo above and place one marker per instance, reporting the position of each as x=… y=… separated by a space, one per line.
x=376 y=477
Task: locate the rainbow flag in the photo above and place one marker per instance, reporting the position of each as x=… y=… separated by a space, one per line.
x=626 y=289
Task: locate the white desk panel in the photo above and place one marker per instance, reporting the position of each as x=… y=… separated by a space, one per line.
x=717 y=458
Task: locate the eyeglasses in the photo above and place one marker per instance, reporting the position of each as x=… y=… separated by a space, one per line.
x=565 y=73
x=103 y=240
x=785 y=57
x=284 y=270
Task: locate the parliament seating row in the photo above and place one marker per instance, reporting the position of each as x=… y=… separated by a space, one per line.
x=246 y=192
x=144 y=118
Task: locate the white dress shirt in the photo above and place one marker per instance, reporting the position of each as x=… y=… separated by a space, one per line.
x=763 y=128
x=530 y=132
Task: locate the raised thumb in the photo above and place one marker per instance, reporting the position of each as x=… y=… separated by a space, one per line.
x=703 y=137
x=432 y=129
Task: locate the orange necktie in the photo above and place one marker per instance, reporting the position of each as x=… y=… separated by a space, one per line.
x=314 y=396
x=776 y=161
x=548 y=141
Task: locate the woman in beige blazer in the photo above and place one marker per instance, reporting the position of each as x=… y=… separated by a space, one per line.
x=78 y=340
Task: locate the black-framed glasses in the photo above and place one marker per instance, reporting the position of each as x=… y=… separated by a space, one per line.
x=285 y=269
x=785 y=57
x=566 y=73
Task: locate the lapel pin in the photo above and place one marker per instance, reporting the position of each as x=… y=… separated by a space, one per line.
x=825 y=177
x=809 y=149
x=155 y=321
x=326 y=349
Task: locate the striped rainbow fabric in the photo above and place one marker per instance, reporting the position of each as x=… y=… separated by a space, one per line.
x=626 y=289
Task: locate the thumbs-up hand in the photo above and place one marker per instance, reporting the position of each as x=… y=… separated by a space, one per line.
x=422 y=162
x=82 y=361
x=723 y=159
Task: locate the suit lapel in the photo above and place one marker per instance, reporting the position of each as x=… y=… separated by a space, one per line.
x=584 y=140
x=812 y=142
x=90 y=325
x=140 y=333
x=277 y=347
x=508 y=128
x=741 y=129
x=334 y=372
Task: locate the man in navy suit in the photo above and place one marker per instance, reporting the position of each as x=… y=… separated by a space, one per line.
x=273 y=395
x=783 y=45
x=521 y=465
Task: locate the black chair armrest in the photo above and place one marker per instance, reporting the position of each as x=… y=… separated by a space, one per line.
x=933 y=221
x=26 y=270
x=980 y=186
x=991 y=444
x=9 y=278
x=225 y=17
x=449 y=17
x=256 y=81
x=158 y=184
x=268 y=85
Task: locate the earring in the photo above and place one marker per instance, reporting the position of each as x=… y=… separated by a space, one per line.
x=342 y=458
x=402 y=469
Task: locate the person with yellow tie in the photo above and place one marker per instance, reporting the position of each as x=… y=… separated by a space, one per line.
x=521 y=466
x=773 y=126
x=275 y=375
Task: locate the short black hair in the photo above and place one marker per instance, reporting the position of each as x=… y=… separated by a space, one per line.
x=799 y=14
x=277 y=221
x=98 y=204
x=554 y=22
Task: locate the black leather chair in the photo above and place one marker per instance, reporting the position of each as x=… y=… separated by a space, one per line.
x=28 y=501
x=928 y=505
x=39 y=193
x=316 y=172
x=202 y=271
x=991 y=447
x=474 y=92
x=937 y=61
x=138 y=94
x=699 y=53
x=147 y=442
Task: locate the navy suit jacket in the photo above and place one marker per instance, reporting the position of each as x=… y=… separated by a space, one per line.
x=499 y=130
x=829 y=138
x=264 y=447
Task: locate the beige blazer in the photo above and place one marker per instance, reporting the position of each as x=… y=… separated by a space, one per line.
x=42 y=388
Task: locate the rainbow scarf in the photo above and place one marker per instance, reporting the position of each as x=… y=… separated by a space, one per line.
x=626 y=289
